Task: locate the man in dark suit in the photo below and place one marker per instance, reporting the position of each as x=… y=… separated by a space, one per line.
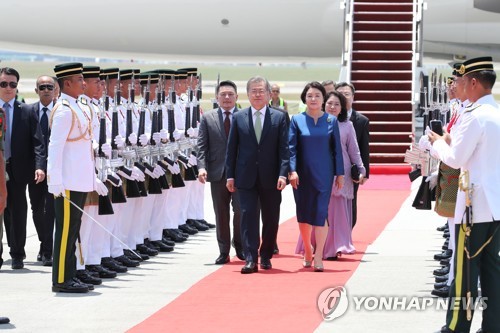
x=42 y=202
x=212 y=143
x=257 y=163
x=25 y=158
x=362 y=128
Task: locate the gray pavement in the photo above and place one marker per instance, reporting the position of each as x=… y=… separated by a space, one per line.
x=399 y=263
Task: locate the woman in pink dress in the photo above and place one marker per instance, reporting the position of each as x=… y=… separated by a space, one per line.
x=339 y=239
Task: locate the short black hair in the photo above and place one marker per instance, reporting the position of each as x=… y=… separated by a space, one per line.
x=315 y=85
x=9 y=71
x=342 y=117
x=487 y=78
x=345 y=84
x=227 y=83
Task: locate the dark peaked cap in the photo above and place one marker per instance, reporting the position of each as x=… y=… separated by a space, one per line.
x=68 y=69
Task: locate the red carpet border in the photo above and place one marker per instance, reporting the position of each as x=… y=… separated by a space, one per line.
x=284 y=298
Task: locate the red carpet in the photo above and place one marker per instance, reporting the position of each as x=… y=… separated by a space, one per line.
x=283 y=298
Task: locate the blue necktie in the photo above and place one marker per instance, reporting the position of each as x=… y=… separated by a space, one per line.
x=6 y=108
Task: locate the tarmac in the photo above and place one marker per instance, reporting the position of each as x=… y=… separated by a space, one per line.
x=398 y=264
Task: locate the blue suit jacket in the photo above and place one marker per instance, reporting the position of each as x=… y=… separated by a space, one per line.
x=248 y=160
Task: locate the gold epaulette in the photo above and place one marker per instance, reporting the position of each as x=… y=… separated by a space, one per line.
x=64 y=102
x=82 y=100
x=471 y=107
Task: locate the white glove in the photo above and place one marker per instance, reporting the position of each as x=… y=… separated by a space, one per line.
x=424 y=143
x=164 y=134
x=143 y=139
x=120 y=141
x=99 y=187
x=196 y=130
x=150 y=173
x=156 y=137
x=432 y=180
x=177 y=134
x=106 y=149
x=190 y=132
x=124 y=175
x=95 y=145
x=133 y=139
x=174 y=169
x=158 y=171
x=138 y=174
x=192 y=160
x=56 y=190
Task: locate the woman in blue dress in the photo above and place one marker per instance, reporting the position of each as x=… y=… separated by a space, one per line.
x=315 y=160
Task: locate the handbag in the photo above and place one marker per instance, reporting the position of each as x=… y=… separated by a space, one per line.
x=354 y=172
x=423 y=199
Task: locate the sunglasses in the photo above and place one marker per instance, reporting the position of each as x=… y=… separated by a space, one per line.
x=46 y=86
x=4 y=84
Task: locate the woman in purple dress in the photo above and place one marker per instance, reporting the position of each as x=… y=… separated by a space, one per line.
x=315 y=157
x=339 y=239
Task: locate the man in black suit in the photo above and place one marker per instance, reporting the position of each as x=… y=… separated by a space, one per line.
x=362 y=128
x=212 y=143
x=25 y=158
x=42 y=202
x=257 y=163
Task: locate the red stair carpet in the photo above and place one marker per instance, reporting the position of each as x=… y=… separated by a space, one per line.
x=284 y=298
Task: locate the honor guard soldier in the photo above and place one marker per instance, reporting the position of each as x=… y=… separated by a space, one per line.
x=71 y=174
x=474 y=149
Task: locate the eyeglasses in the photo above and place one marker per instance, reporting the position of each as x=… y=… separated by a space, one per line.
x=12 y=84
x=257 y=92
x=46 y=86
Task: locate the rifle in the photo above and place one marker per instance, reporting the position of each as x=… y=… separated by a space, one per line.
x=215 y=104
x=117 y=193
x=105 y=207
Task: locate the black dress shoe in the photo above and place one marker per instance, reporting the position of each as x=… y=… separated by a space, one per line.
x=197 y=225
x=39 y=256
x=146 y=250
x=332 y=258
x=162 y=247
x=72 y=286
x=222 y=259
x=210 y=225
x=128 y=253
x=90 y=286
x=126 y=261
x=439 y=285
x=441 y=278
x=444 y=262
x=17 y=263
x=249 y=268
x=111 y=264
x=442 y=271
x=168 y=241
x=46 y=260
x=4 y=320
x=446 y=234
x=85 y=277
x=240 y=255
x=175 y=235
x=265 y=263
x=102 y=272
x=442 y=292
x=443 y=227
x=187 y=229
x=444 y=255
x=445 y=245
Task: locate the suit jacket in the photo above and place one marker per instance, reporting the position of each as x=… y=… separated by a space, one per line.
x=248 y=160
x=212 y=144
x=362 y=127
x=27 y=147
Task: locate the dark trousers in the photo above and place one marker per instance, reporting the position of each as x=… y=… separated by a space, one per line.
x=485 y=266
x=222 y=200
x=68 y=221
x=42 y=208
x=15 y=216
x=270 y=200
x=355 y=204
